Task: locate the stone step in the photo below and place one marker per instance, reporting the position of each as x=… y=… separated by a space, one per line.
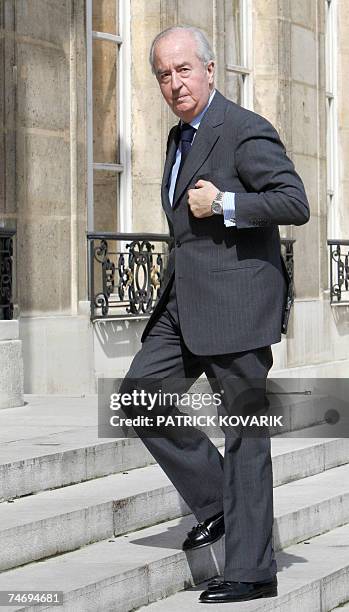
x=313 y=576
x=65 y=458
x=53 y=522
x=57 y=444
x=148 y=565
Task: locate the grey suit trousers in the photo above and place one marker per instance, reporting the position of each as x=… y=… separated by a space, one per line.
x=241 y=483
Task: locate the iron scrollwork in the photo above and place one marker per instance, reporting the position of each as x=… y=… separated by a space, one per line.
x=137 y=277
x=101 y=300
x=130 y=278
x=287 y=254
x=6 y=268
x=339 y=271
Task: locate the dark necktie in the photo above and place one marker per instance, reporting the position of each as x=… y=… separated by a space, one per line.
x=187 y=135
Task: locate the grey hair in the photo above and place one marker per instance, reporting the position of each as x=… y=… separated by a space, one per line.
x=204 y=49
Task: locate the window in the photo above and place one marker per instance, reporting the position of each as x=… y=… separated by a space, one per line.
x=331 y=117
x=108 y=115
x=238 y=51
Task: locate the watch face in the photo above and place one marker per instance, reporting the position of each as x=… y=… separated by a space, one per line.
x=217 y=208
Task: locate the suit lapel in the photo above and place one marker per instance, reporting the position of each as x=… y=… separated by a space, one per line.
x=170 y=158
x=205 y=139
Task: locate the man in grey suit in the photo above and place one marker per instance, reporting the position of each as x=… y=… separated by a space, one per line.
x=227 y=185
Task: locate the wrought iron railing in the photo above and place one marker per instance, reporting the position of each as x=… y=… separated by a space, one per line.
x=287 y=254
x=126 y=272
x=339 y=271
x=6 y=273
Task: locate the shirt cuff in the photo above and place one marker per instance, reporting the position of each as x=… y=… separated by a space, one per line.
x=228 y=204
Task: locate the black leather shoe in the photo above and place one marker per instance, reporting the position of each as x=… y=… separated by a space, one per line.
x=205 y=533
x=228 y=591
x=214 y=582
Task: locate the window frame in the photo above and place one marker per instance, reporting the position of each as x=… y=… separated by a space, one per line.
x=245 y=68
x=123 y=119
x=331 y=94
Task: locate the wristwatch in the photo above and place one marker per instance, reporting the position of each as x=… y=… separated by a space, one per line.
x=217 y=205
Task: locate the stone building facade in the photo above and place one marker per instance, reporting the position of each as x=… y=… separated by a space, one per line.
x=82 y=142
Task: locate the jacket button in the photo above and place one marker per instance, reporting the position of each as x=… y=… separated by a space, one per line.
x=178 y=243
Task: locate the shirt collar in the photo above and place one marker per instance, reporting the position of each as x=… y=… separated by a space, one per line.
x=196 y=121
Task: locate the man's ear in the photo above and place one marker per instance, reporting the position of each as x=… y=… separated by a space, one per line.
x=210 y=71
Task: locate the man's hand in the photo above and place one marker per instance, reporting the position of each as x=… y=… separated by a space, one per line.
x=201 y=198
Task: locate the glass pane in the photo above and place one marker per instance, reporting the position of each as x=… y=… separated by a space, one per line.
x=105 y=197
x=105 y=16
x=234 y=87
x=105 y=123
x=233 y=28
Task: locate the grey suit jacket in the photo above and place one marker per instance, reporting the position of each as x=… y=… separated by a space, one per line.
x=231 y=283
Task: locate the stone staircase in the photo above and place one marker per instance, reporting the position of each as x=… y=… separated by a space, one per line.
x=100 y=521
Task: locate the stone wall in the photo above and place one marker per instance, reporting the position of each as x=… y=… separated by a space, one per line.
x=44 y=48
x=49 y=166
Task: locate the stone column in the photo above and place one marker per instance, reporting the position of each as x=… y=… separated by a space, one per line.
x=11 y=362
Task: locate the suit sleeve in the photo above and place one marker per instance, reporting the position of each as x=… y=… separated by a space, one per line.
x=275 y=192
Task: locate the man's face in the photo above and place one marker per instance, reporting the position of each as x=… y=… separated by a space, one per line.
x=184 y=81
